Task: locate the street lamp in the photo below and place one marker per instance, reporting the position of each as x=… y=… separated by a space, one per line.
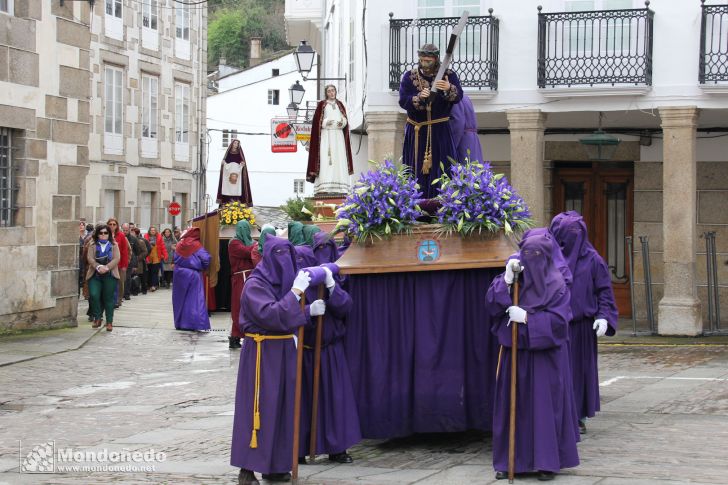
x=599 y=145
x=305 y=56
x=296 y=92
x=292 y=110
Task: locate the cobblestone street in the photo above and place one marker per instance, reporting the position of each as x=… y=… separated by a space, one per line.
x=146 y=386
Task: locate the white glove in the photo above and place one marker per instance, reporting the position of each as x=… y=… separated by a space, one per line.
x=330 y=283
x=516 y=314
x=600 y=325
x=302 y=281
x=513 y=266
x=318 y=307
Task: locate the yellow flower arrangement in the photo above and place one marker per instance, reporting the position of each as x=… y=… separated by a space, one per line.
x=234 y=212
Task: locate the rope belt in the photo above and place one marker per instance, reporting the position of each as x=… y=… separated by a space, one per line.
x=427 y=160
x=258 y=338
x=244 y=272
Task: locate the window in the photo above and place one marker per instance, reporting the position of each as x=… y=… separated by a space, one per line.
x=182 y=30
x=446 y=8
x=109 y=204
x=6 y=178
x=150 y=113
x=275 y=72
x=145 y=210
x=113 y=20
x=150 y=36
x=274 y=96
x=182 y=121
x=113 y=111
x=6 y=6
x=228 y=136
x=612 y=35
x=299 y=186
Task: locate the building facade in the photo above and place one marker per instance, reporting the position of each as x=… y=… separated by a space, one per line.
x=44 y=120
x=544 y=75
x=147 y=114
x=242 y=109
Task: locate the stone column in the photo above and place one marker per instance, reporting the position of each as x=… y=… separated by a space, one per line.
x=527 y=149
x=385 y=134
x=679 y=309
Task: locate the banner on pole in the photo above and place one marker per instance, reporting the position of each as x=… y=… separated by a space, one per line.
x=282 y=136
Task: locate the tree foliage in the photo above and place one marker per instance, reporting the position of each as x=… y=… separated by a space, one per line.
x=233 y=22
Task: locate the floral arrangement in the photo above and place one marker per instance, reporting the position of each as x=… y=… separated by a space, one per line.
x=382 y=202
x=474 y=199
x=298 y=209
x=234 y=212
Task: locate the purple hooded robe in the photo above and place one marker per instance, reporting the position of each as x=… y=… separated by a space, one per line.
x=188 y=291
x=592 y=297
x=464 y=127
x=338 y=420
x=546 y=431
x=269 y=307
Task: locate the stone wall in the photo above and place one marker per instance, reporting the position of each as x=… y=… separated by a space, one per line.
x=44 y=100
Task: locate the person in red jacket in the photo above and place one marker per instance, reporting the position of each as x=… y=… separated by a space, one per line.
x=124 y=248
x=240 y=251
x=155 y=256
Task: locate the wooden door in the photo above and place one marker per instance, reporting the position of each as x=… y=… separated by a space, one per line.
x=602 y=193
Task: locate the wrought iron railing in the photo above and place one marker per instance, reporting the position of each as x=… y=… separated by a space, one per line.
x=595 y=47
x=475 y=59
x=714 y=44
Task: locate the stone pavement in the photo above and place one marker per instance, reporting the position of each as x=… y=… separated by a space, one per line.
x=148 y=387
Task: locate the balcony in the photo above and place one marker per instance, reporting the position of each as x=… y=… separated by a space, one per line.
x=475 y=59
x=586 y=49
x=714 y=45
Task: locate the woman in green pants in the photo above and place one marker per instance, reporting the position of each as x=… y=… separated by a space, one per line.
x=102 y=275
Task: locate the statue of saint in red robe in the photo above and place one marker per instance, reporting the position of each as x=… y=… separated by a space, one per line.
x=234 y=184
x=329 y=157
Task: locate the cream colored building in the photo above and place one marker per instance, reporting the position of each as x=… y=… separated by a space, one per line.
x=44 y=127
x=147 y=140
x=541 y=75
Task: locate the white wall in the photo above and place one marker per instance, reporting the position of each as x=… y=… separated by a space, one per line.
x=242 y=104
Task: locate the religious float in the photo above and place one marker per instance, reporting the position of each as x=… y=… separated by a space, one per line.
x=418 y=339
x=216 y=229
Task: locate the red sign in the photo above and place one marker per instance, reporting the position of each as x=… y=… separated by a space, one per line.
x=283 y=136
x=174 y=208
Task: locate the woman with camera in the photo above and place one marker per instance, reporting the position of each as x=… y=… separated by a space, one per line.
x=102 y=275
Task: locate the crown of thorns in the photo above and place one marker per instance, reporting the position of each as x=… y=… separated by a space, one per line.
x=429 y=50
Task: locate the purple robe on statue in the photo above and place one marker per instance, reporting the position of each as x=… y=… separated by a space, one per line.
x=188 y=291
x=546 y=431
x=592 y=297
x=338 y=420
x=269 y=307
x=464 y=127
x=442 y=145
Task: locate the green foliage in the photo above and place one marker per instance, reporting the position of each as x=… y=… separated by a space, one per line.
x=294 y=209
x=233 y=22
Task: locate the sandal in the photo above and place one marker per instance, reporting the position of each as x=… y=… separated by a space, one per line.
x=109 y=327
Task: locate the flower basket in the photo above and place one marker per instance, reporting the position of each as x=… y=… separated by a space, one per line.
x=234 y=212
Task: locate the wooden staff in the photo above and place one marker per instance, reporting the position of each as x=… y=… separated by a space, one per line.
x=514 y=375
x=316 y=378
x=297 y=398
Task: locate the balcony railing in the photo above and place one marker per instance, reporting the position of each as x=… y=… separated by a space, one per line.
x=475 y=59
x=714 y=44
x=596 y=47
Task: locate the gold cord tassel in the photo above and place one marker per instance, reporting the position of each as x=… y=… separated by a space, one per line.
x=427 y=159
x=254 y=439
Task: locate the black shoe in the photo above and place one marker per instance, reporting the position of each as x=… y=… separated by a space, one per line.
x=582 y=426
x=127 y=298
x=247 y=477
x=342 y=457
x=302 y=461
x=501 y=475
x=234 y=342
x=544 y=476
x=277 y=477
